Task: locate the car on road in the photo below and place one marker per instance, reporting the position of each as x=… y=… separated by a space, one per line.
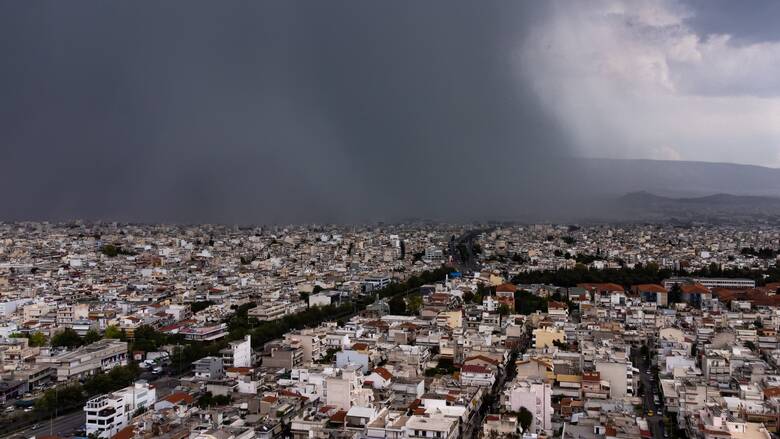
x=36 y=426
x=650 y=413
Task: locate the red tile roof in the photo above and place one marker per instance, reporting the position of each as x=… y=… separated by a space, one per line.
x=179 y=397
x=694 y=288
x=483 y=358
x=384 y=373
x=339 y=417
x=473 y=368
x=650 y=288
x=506 y=287
x=125 y=433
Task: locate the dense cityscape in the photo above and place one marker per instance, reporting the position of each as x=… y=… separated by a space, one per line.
x=389 y=331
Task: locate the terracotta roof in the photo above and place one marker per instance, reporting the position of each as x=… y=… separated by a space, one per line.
x=359 y=347
x=473 y=368
x=694 y=288
x=483 y=358
x=179 y=397
x=556 y=305
x=125 y=433
x=772 y=392
x=384 y=373
x=339 y=417
x=506 y=287
x=651 y=288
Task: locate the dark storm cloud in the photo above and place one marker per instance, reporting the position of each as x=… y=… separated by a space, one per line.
x=270 y=112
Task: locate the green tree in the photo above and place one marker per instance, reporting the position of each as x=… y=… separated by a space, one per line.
x=112 y=332
x=196 y=307
x=68 y=338
x=91 y=336
x=61 y=398
x=413 y=304
x=503 y=309
x=37 y=339
x=397 y=305
x=527 y=303
x=208 y=400
x=109 y=250
x=525 y=418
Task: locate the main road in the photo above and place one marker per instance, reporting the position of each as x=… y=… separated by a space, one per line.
x=467 y=262
x=67 y=425
x=656 y=421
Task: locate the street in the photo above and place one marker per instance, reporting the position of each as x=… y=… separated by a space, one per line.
x=67 y=425
x=655 y=422
x=466 y=241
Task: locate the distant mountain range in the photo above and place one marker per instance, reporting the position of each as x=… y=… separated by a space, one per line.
x=716 y=208
x=643 y=199
x=681 y=179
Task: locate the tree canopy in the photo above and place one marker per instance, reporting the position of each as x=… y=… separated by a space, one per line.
x=68 y=338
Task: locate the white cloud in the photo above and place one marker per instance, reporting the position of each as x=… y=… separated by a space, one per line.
x=626 y=77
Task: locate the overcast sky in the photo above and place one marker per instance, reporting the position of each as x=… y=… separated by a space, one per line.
x=260 y=112
x=664 y=80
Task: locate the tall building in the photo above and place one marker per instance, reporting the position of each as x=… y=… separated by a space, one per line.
x=108 y=414
x=242 y=352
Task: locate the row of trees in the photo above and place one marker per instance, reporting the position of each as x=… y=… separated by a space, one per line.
x=74 y=396
x=69 y=338
x=641 y=274
x=112 y=250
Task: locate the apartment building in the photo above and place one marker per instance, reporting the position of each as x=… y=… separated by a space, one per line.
x=620 y=375
x=535 y=395
x=268 y=312
x=107 y=414
x=87 y=360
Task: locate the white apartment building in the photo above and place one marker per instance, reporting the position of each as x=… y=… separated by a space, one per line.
x=438 y=426
x=621 y=377
x=108 y=414
x=242 y=352
x=536 y=396
x=710 y=282
x=345 y=390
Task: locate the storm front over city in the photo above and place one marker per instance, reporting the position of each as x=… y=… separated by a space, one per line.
x=390 y=220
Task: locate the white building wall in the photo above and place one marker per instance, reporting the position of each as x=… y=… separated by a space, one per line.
x=242 y=353
x=537 y=399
